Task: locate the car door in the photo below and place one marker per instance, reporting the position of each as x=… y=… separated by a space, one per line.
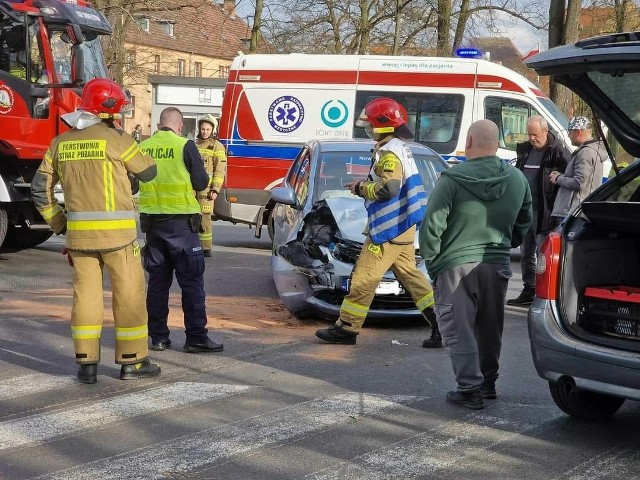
x=288 y=218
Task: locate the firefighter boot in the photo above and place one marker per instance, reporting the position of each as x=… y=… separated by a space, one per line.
x=88 y=373
x=335 y=334
x=435 y=341
x=143 y=369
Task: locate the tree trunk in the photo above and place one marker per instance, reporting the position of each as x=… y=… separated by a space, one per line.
x=255 y=29
x=462 y=24
x=443 y=46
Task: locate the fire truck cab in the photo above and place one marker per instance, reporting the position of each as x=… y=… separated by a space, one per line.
x=273 y=104
x=48 y=50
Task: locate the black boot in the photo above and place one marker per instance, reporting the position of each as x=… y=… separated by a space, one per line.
x=335 y=334
x=524 y=299
x=435 y=341
x=143 y=369
x=88 y=373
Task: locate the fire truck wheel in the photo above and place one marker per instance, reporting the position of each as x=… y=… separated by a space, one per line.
x=4 y=223
x=25 y=238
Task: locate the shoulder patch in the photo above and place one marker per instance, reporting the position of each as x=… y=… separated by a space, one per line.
x=389 y=166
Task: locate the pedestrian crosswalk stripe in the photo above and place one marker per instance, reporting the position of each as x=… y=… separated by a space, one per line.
x=48 y=426
x=33 y=384
x=449 y=445
x=202 y=449
x=619 y=461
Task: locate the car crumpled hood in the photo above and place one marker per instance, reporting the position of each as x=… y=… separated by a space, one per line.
x=350 y=216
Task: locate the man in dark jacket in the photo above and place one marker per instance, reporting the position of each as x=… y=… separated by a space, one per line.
x=542 y=154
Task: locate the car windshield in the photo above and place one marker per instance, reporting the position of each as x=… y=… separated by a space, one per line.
x=554 y=110
x=336 y=169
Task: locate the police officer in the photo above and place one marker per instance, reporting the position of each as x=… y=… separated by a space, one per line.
x=395 y=203
x=215 y=163
x=170 y=216
x=92 y=162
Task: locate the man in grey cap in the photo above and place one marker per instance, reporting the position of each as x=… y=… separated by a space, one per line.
x=584 y=171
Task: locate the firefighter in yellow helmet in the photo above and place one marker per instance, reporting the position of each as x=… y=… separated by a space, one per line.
x=93 y=162
x=395 y=201
x=215 y=163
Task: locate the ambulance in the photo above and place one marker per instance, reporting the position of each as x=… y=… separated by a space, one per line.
x=273 y=104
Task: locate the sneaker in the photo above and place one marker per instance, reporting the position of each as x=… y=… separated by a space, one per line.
x=435 y=341
x=335 y=334
x=472 y=400
x=488 y=390
x=205 y=347
x=524 y=299
x=143 y=369
x=88 y=373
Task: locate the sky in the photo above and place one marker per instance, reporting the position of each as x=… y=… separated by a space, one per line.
x=524 y=37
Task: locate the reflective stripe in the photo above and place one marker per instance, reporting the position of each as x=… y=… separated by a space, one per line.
x=115 y=215
x=354 y=309
x=370 y=190
x=47 y=156
x=130 y=153
x=425 y=302
x=49 y=212
x=86 y=331
x=109 y=192
x=101 y=224
x=206 y=236
x=132 y=333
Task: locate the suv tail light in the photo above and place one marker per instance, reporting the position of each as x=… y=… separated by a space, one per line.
x=548 y=267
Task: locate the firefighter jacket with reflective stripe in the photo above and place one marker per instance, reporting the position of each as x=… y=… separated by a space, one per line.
x=215 y=162
x=171 y=192
x=389 y=218
x=92 y=166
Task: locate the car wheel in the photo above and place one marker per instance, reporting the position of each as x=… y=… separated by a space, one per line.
x=582 y=403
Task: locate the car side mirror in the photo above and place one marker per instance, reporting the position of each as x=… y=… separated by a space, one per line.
x=284 y=195
x=77 y=66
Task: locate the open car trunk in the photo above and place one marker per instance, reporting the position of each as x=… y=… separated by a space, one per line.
x=600 y=279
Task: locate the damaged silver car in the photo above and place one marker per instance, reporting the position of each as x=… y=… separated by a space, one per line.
x=318 y=226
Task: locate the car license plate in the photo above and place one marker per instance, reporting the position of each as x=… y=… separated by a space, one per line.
x=389 y=287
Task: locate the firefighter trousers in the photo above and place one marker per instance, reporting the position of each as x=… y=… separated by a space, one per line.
x=373 y=263
x=128 y=304
x=206 y=227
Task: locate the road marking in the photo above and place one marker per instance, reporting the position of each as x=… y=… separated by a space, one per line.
x=48 y=426
x=619 y=461
x=30 y=357
x=453 y=444
x=30 y=384
x=194 y=451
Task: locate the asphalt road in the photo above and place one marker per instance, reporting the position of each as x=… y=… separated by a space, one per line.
x=276 y=404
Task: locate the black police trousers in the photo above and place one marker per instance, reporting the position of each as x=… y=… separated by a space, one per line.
x=173 y=246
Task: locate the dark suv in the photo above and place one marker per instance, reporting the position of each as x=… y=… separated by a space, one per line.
x=584 y=324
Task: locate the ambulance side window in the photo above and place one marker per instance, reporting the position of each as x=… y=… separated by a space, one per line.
x=434 y=118
x=511 y=117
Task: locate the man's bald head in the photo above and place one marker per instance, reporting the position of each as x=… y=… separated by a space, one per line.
x=171 y=117
x=482 y=139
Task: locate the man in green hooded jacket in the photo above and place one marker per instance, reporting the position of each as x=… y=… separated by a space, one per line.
x=478 y=211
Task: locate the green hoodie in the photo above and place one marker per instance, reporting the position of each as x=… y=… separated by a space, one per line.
x=477 y=212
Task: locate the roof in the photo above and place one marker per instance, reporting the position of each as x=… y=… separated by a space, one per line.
x=202 y=28
x=501 y=49
x=194 y=81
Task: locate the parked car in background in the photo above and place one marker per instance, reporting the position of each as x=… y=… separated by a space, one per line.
x=584 y=324
x=317 y=227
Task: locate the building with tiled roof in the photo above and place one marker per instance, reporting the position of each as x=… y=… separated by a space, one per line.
x=188 y=42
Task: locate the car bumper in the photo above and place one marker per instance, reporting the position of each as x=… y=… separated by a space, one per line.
x=557 y=354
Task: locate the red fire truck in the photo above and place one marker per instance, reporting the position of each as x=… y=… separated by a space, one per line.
x=48 y=50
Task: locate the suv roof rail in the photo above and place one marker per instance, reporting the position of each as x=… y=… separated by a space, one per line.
x=609 y=40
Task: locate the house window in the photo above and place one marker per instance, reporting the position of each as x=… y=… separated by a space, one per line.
x=143 y=23
x=156 y=64
x=197 y=69
x=182 y=67
x=131 y=113
x=167 y=27
x=223 y=72
x=130 y=59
